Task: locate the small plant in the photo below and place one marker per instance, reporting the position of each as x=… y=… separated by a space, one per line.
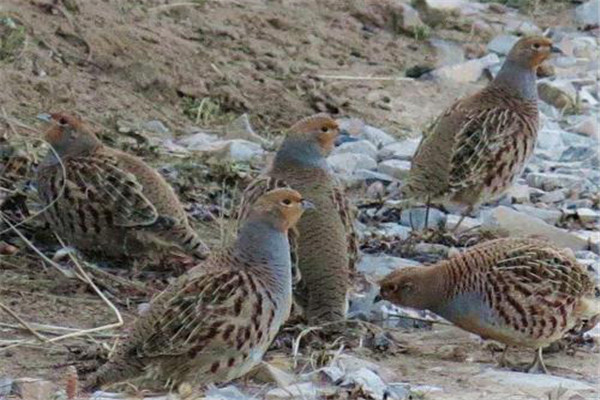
x=421 y=32
x=201 y=111
x=12 y=38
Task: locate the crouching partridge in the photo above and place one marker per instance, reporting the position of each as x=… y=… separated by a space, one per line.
x=106 y=202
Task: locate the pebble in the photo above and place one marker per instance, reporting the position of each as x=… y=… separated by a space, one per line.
x=5 y=386
x=377 y=265
x=306 y=390
x=469 y=71
x=370 y=384
x=587 y=127
x=466 y=224
x=358 y=147
x=555 y=196
x=155 y=126
x=347 y=163
x=549 y=216
x=402 y=150
x=415 y=218
x=392 y=229
x=376 y=136
x=198 y=140
x=587 y=14
x=587 y=215
x=397 y=168
x=519 y=193
x=517 y=224
x=502 y=44
x=548 y=181
x=34 y=389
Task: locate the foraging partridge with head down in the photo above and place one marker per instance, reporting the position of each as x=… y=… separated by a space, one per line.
x=324 y=247
x=109 y=203
x=521 y=292
x=479 y=146
x=215 y=323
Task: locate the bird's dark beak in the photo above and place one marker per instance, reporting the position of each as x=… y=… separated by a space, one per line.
x=44 y=117
x=307 y=205
x=377 y=299
x=556 y=50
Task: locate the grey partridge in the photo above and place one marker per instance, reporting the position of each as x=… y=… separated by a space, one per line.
x=107 y=202
x=324 y=246
x=520 y=292
x=215 y=322
x=480 y=145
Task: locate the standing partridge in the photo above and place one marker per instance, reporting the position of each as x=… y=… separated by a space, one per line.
x=520 y=292
x=215 y=323
x=324 y=244
x=480 y=145
x=109 y=203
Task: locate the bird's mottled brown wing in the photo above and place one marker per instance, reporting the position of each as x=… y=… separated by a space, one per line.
x=101 y=180
x=347 y=215
x=485 y=135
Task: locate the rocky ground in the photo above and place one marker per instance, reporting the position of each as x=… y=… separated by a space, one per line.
x=202 y=90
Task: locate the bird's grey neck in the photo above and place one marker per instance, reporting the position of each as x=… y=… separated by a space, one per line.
x=264 y=247
x=519 y=78
x=302 y=154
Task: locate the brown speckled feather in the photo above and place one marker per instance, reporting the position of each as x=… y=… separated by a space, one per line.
x=215 y=322
x=521 y=292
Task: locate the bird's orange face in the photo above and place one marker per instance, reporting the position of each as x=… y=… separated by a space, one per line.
x=402 y=288
x=63 y=125
x=533 y=51
x=283 y=206
x=320 y=128
x=68 y=135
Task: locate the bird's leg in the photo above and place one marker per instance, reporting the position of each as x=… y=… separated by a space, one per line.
x=427 y=206
x=538 y=366
x=503 y=362
x=462 y=217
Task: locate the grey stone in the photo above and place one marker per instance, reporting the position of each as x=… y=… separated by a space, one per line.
x=549 y=181
x=348 y=163
x=469 y=71
x=466 y=224
x=6 y=384
x=399 y=391
x=448 y=53
x=306 y=390
x=397 y=168
x=432 y=248
x=359 y=147
x=535 y=385
x=519 y=193
x=198 y=140
x=516 y=224
x=588 y=13
x=368 y=381
x=588 y=215
x=34 y=389
x=415 y=218
x=502 y=44
x=555 y=196
x=402 y=150
x=238 y=150
x=588 y=127
x=240 y=128
x=547 y=215
x=393 y=229
x=377 y=136
x=578 y=153
x=156 y=126
x=522 y=27
x=229 y=392
x=378 y=266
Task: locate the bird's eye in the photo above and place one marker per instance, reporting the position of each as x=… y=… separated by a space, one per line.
x=286 y=202
x=324 y=129
x=63 y=121
x=536 y=46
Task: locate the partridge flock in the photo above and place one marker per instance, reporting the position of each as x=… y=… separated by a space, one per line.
x=215 y=322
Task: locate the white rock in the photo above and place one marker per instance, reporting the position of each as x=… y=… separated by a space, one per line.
x=155 y=126
x=554 y=196
x=226 y=393
x=588 y=14
x=469 y=71
x=372 y=385
x=378 y=266
x=466 y=224
x=393 y=229
x=520 y=224
x=415 y=218
x=547 y=215
x=522 y=27
x=589 y=127
x=533 y=384
x=402 y=150
x=303 y=391
x=376 y=136
x=519 y=193
x=235 y=150
x=359 y=147
x=502 y=44
x=588 y=215
x=348 y=163
x=446 y=4
x=198 y=140
x=397 y=168
x=447 y=52
x=410 y=19
x=548 y=181
x=240 y=128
